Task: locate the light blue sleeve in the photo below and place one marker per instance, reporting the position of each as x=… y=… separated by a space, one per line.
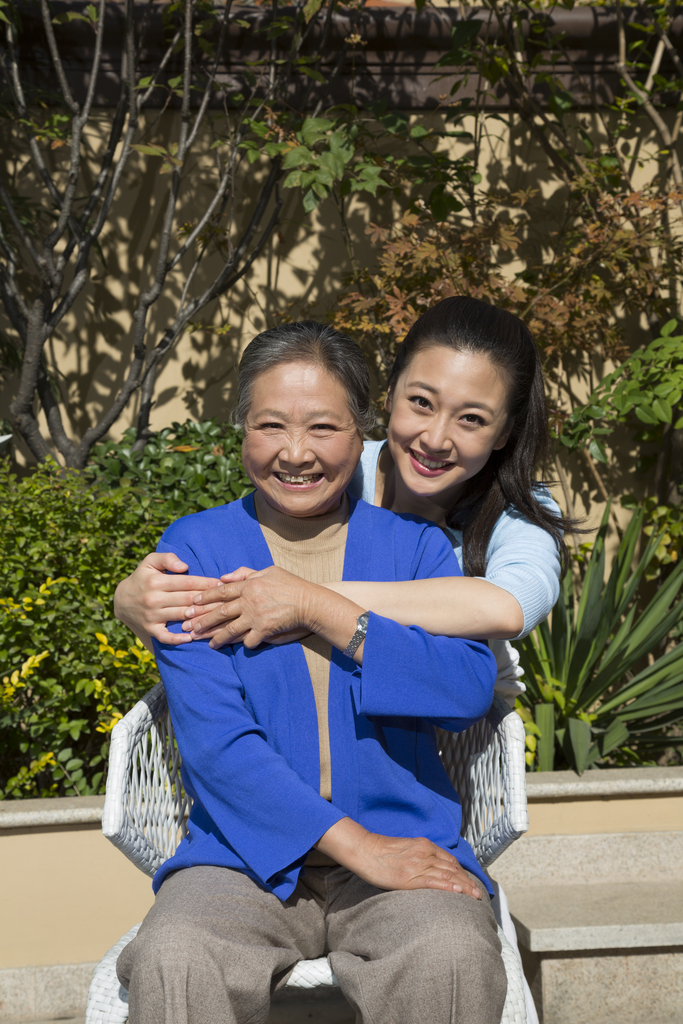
x=363 y=482
x=523 y=559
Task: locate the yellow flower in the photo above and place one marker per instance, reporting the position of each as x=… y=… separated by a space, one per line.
x=108 y=726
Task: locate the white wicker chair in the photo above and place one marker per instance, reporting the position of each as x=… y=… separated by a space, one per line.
x=146 y=808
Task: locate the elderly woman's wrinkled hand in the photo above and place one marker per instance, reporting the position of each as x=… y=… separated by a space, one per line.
x=253 y=607
x=390 y=862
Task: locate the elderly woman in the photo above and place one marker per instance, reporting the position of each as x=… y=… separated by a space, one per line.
x=323 y=821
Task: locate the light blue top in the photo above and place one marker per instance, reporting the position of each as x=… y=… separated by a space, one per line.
x=521 y=558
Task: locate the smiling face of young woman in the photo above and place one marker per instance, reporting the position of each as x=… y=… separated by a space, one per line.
x=301 y=443
x=449 y=411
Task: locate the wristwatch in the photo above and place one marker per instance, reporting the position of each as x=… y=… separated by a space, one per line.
x=359 y=636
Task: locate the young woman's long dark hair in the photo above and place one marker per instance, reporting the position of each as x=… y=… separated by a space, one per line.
x=507 y=479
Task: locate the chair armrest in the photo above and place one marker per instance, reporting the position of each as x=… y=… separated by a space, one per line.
x=145 y=806
x=487 y=768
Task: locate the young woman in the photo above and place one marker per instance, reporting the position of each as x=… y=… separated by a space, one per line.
x=467 y=430
x=323 y=821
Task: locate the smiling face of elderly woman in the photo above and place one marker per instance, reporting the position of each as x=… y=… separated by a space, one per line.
x=303 y=419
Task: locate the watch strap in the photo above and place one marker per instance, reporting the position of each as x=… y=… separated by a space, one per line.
x=358 y=637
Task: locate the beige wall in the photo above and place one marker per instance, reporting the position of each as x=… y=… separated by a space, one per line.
x=66 y=896
x=661 y=813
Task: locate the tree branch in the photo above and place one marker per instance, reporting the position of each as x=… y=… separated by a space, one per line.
x=657 y=121
x=22 y=232
x=56 y=58
x=20 y=103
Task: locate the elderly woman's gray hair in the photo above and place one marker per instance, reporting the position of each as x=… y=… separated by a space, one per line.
x=307 y=341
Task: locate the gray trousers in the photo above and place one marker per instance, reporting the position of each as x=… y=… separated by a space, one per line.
x=215 y=946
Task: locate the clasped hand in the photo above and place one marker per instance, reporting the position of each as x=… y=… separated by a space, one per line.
x=252 y=606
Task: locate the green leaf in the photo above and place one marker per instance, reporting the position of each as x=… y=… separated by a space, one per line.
x=418 y=131
x=311 y=8
x=312 y=73
x=463 y=32
x=597 y=451
x=63 y=19
x=442 y=204
x=662 y=410
x=311 y=201
x=579 y=736
x=299 y=156
x=333 y=164
x=341 y=146
x=149 y=150
x=615 y=736
x=645 y=415
x=545 y=720
x=315 y=128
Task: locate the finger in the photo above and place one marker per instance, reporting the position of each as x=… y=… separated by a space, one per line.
x=221 y=637
x=164 y=561
x=224 y=615
x=165 y=636
x=181 y=587
x=445 y=882
x=231 y=633
x=252 y=638
x=237 y=575
x=219 y=592
x=193 y=615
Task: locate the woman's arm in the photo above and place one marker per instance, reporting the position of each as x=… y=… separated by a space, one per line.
x=450 y=606
x=445 y=606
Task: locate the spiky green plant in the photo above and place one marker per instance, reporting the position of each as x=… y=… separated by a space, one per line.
x=595 y=684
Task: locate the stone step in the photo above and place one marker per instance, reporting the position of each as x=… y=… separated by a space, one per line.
x=607 y=947
x=589 y=917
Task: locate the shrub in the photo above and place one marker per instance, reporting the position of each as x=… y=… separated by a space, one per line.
x=599 y=686
x=69 y=669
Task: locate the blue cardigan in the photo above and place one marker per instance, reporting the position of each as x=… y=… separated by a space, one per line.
x=246 y=725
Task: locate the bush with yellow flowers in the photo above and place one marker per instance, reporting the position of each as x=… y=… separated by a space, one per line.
x=68 y=669
x=60 y=699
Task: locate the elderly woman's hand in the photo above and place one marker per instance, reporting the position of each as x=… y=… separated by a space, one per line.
x=274 y=606
x=395 y=863
x=254 y=606
x=149 y=598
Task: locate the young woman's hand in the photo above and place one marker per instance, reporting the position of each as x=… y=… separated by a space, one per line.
x=149 y=598
x=394 y=863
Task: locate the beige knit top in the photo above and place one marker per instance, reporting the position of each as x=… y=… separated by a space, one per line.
x=313 y=549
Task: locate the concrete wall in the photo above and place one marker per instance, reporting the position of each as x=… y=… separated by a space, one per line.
x=68 y=894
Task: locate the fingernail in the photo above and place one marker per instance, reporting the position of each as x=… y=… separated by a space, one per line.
x=186 y=626
x=189 y=612
x=197 y=630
